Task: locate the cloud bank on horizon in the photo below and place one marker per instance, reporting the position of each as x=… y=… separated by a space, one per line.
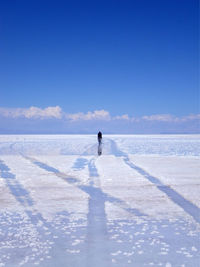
x=55 y=120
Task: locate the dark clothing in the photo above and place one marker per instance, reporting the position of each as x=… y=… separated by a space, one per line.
x=99 y=137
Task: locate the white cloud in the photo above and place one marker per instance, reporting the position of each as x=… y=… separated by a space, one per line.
x=64 y=122
x=57 y=113
x=32 y=112
x=122 y=117
x=191 y=117
x=159 y=117
x=171 y=118
x=95 y=115
x=53 y=112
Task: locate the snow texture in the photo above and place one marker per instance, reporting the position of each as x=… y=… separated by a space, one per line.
x=135 y=205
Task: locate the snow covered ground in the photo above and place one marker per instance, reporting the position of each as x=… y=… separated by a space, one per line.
x=137 y=204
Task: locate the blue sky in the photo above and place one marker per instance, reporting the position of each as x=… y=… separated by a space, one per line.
x=138 y=58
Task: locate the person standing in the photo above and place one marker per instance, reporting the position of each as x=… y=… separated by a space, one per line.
x=99 y=137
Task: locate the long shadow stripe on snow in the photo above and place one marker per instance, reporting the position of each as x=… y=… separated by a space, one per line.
x=97 y=236
x=24 y=198
x=89 y=189
x=177 y=198
x=17 y=190
x=93 y=172
x=81 y=163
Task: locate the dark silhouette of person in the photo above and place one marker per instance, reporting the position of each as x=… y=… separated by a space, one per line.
x=99 y=137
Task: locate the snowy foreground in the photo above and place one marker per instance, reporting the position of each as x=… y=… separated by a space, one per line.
x=138 y=204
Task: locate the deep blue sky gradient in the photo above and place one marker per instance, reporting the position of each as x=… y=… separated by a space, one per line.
x=138 y=57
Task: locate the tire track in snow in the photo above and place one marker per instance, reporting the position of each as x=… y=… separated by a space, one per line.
x=177 y=198
x=36 y=219
x=86 y=188
x=16 y=189
x=97 y=240
x=97 y=235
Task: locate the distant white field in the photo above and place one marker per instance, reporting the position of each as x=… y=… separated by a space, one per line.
x=135 y=205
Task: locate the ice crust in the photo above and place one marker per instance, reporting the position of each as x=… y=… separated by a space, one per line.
x=135 y=205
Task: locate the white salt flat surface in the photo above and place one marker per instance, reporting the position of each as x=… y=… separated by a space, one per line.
x=137 y=204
